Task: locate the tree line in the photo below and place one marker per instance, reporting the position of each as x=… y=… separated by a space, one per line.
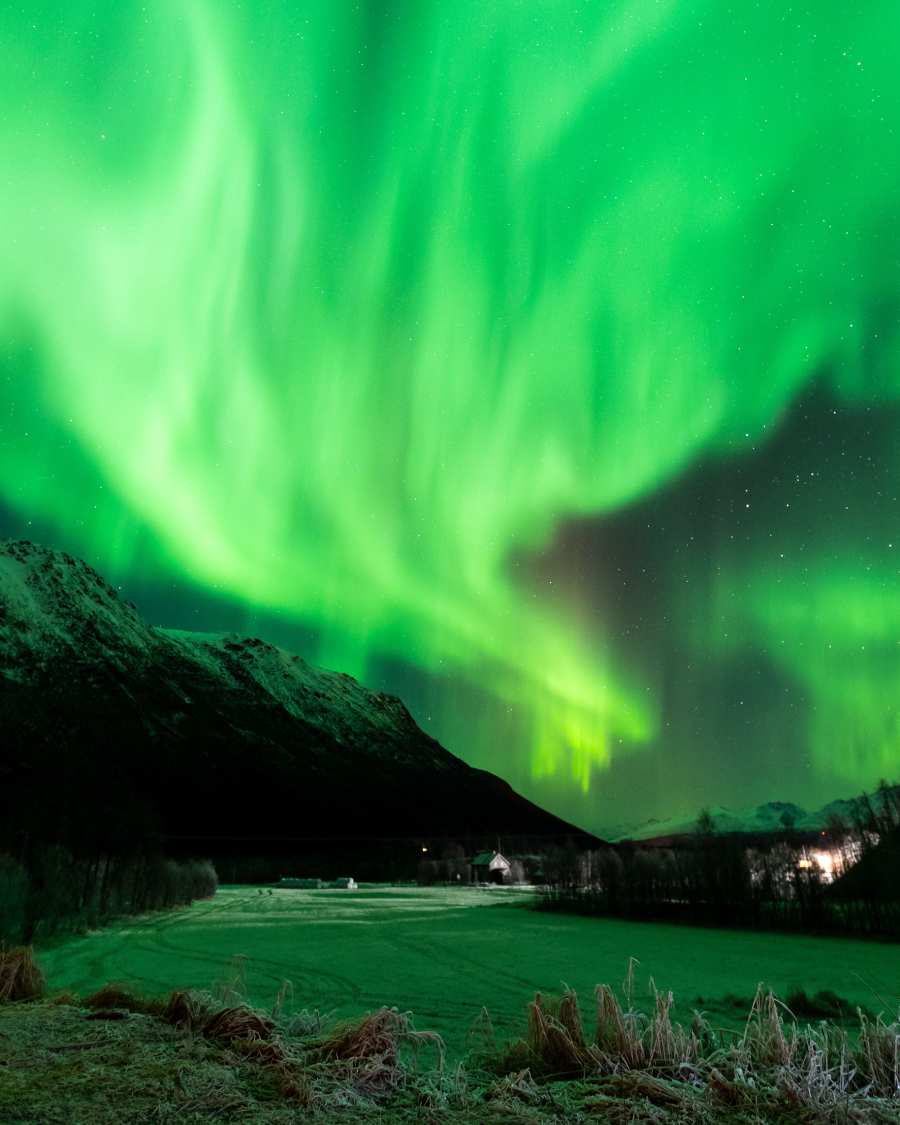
x=843 y=880
x=47 y=889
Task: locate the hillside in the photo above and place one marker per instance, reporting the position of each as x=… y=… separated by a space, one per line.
x=876 y=877
x=116 y=731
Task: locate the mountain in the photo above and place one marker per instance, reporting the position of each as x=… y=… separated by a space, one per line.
x=114 y=732
x=773 y=816
x=876 y=877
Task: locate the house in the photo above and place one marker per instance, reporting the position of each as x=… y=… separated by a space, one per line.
x=490 y=867
x=345 y=883
x=301 y=884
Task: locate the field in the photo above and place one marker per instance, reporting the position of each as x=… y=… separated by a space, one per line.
x=443 y=953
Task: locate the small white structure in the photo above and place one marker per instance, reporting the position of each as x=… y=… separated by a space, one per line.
x=490 y=867
x=344 y=883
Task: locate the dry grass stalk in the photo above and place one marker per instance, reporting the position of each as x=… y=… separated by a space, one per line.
x=295 y=1085
x=266 y=1052
x=284 y=994
x=232 y=990
x=814 y=1083
x=238 y=1022
x=115 y=997
x=569 y=1016
x=879 y=1055
x=725 y=1090
x=186 y=1010
x=244 y=1031
x=376 y=1035
x=306 y=1024
x=363 y=1056
x=669 y=1045
x=764 y=1035
x=556 y=1041
x=238 y=1026
x=20 y=975
x=618 y=1035
x=481 y=1036
x=517 y=1086
x=633 y=1084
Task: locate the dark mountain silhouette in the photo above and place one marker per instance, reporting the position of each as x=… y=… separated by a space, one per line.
x=114 y=732
x=876 y=878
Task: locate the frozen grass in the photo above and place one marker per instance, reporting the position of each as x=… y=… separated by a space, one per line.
x=116 y=1057
x=446 y=953
x=20 y=977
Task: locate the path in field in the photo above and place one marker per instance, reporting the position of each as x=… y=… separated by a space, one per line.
x=443 y=953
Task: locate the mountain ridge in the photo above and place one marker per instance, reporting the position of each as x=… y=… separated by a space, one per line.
x=190 y=733
x=771 y=816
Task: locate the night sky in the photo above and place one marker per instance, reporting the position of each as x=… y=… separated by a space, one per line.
x=537 y=361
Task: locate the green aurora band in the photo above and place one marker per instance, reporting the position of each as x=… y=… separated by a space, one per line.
x=353 y=305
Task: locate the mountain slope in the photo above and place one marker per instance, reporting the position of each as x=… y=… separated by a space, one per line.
x=114 y=730
x=876 y=877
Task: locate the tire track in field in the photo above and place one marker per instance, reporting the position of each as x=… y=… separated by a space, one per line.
x=88 y=963
x=311 y=977
x=276 y=971
x=452 y=956
x=159 y=939
x=507 y=997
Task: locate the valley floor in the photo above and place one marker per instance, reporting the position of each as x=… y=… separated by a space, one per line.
x=446 y=953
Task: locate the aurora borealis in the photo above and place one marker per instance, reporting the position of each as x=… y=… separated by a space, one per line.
x=539 y=361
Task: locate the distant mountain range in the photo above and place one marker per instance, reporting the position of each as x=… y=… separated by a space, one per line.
x=774 y=816
x=114 y=731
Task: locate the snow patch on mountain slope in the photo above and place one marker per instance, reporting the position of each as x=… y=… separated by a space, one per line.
x=333 y=701
x=53 y=604
x=54 y=607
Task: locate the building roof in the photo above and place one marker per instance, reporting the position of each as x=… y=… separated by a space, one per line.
x=484 y=859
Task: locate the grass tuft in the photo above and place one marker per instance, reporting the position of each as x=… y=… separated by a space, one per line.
x=20 y=975
x=114 y=997
x=186 y=1010
x=556 y=1040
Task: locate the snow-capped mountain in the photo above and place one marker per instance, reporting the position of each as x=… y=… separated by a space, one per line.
x=773 y=816
x=109 y=719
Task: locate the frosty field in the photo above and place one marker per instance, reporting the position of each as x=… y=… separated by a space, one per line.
x=443 y=953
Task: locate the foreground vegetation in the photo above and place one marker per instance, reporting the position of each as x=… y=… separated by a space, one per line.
x=114 y=1057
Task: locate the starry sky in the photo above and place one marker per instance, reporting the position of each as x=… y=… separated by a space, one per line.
x=538 y=362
